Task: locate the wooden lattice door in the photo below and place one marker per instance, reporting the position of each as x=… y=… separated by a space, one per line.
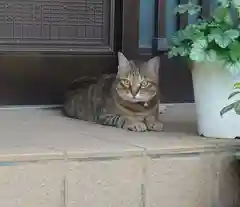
x=45 y=44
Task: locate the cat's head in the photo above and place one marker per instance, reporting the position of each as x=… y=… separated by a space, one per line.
x=137 y=81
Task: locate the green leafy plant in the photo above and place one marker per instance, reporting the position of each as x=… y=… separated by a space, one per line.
x=216 y=38
x=236 y=104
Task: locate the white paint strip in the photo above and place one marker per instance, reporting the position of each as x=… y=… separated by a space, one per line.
x=19 y=107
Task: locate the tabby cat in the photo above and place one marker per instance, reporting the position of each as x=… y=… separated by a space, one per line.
x=127 y=100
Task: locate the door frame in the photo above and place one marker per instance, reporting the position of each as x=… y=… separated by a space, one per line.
x=175 y=84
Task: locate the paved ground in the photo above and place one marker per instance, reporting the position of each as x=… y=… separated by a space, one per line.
x=47 y=160
x=35 y=132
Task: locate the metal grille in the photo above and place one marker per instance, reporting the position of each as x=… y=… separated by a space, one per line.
x=54 y=22
x=166 y=23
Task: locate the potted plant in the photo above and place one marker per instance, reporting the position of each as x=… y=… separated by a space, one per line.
x=235 y=105
x=213 y=46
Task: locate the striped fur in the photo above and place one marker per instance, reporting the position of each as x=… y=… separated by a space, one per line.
x=127 y=100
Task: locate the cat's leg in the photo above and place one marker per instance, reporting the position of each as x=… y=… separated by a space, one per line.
x=153 y=124
x=135 y=125
x=122 y=122
x=111 y=120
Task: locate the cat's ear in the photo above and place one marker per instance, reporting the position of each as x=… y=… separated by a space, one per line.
x=123 y=63
x=153 y=66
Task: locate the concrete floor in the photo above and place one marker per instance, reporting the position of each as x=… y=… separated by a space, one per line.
x=45 y=132
x=48 y=160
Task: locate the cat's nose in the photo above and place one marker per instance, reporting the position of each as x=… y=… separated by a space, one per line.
x=134 y=92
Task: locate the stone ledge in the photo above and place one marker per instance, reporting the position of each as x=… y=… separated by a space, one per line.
x=42 y=134
x=47 y=160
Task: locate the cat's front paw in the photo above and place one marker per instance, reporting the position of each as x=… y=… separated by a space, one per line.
x=162 y=109
x=156 y=126
x=137 y=127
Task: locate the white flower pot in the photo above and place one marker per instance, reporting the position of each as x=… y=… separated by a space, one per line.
x=212 y=87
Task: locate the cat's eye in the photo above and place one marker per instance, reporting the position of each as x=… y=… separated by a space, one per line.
x=126 y=83
x=144 y=84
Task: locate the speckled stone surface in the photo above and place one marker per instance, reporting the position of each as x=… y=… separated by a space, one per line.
x=47 y=160
x=180 y=181
x=32 y=184
x=105 y=183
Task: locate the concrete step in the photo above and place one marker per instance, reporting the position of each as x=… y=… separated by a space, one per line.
x=47 y=160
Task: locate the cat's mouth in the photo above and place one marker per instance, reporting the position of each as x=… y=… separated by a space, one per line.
x=142 y=103
x=138 y=101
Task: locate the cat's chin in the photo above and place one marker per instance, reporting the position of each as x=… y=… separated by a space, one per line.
x=137 y=101
x=133 y=101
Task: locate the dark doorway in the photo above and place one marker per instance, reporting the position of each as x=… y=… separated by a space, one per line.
x=44 y=45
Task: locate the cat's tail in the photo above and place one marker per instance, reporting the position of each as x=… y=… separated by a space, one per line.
x=68 y=109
